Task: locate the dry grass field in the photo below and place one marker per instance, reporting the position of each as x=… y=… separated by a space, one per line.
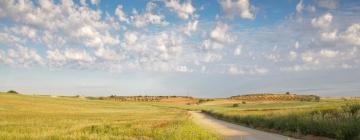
x=46 y=117
x=152 y=117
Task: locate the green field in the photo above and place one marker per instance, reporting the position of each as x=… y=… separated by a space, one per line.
x=45 y=117
x=335 y=119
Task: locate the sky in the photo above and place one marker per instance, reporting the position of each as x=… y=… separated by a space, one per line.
x=212 y=48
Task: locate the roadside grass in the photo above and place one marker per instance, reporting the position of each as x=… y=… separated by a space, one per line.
x=340 y=120
x=45 y=117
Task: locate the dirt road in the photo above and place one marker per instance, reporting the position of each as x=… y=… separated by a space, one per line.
x=232 y=131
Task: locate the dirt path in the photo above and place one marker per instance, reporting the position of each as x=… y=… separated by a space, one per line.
x=232 y=131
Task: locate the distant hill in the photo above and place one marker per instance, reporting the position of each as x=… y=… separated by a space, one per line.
x=169 y=99
x=276 y=97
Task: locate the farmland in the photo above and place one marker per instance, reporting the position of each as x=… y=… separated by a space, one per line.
x=336 y=118
x=46 y=117
x=167 y=117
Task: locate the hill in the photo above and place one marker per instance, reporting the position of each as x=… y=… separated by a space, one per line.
x=276 y=97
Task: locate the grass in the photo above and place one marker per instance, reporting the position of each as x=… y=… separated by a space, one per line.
x=45 y=117
x=340 y=120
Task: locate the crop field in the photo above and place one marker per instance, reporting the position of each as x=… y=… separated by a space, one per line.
x=51 y=117
x=45 y=117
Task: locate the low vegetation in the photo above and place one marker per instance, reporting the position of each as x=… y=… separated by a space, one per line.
x=144 y=98
x=12 y=92
x=47 y=117
x=277 y=97
x=166 y=117
x=335 y=122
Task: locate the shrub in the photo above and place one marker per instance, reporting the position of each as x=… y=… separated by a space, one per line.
x=201 y=101
x=243 y=102
x=352 y=108
x=12 y=92
x=235 y=105
x=342 y=124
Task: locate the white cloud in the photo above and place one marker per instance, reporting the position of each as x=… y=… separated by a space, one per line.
x=120 y=14
x=234 y=70
x=95 y=1
x=210 y=44
x=352 y=34
x=106 y=54
x=83 y=2
x=184 y=10
x=21 y=56
x=237 y=51
x=55 y=57
x=328 y=53
x=239 y=8
x=76 y=34
x=50 y=40
x=309 y=57
x=273 y=57
x=293 y=55
x=300 y=7
x=190 y=27
x=220 y=33
x=130 y=37
x=323 y=21
x=211 y=57
x=260 y=71
x=25 y=32
x=64 y=21
x=329 y=36
x=6 y=38
x=183 y=69
x=142 y=20
x=297 y=45
x=78 y=55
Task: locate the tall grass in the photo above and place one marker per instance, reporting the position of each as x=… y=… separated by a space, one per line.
x=44 y=117
x=342 y=123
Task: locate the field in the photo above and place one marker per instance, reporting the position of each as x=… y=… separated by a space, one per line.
x=330 y=118
x=340 y=120
x=46 y=117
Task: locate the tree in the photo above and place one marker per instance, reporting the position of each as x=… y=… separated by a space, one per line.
x=12 y=92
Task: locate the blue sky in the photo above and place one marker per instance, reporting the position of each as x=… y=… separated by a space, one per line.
x=214 y=48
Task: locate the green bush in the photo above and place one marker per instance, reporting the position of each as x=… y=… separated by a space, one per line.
x=342 y=124
x=12 y=92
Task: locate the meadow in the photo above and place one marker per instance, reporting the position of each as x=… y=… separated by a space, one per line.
x=339 y=120
x=45 y=117
x=167 y=117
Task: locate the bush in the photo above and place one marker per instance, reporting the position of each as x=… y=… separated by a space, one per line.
x=352 y=108
x=12 y=92
x=235 y=105
x=243 y=102
x=342 y=124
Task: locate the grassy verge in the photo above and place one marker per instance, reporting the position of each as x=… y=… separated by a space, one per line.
x=340 y=123
x=44 y=117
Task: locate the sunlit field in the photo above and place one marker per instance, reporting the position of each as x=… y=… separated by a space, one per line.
x=52 y=117
x=340 y=119
x=45 y=117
